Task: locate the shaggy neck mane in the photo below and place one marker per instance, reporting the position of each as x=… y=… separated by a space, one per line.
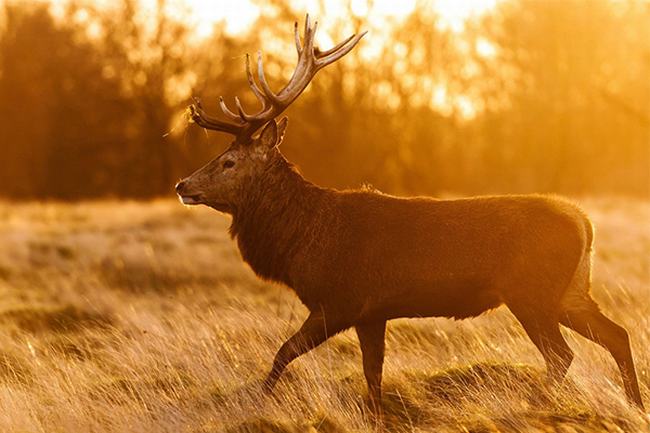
x=274 y=219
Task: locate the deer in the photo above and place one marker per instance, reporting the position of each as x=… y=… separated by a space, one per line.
x=359 y=258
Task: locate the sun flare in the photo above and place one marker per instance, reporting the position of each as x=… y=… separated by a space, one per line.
x=239 y=15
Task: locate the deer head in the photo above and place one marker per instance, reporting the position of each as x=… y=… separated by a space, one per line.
x=219 y=184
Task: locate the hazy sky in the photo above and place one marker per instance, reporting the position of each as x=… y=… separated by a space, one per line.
x=239 y=14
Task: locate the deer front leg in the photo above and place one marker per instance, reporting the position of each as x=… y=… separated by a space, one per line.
x=316 y=329
x=371 y=340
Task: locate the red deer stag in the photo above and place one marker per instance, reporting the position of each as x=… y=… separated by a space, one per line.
x=360 y=258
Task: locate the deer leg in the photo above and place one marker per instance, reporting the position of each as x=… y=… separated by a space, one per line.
x=312 y=333
x=371 y=340
x=594 y=325
x=544 y=331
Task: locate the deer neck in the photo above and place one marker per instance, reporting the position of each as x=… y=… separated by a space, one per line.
x=274 y=218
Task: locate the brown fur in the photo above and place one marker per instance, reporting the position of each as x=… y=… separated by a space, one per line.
x=360 y=258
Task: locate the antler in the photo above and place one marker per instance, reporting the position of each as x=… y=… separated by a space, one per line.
x=310 y=61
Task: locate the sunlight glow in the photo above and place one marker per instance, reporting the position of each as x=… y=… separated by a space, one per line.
x=485 y=48
x=454 y=13
x=240 y=14
x=237 y=15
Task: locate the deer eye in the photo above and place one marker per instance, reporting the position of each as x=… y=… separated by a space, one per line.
x=228 y=164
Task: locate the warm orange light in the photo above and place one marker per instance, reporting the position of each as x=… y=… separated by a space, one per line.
x=240 y=14
x=237 y=15
x=454 y=13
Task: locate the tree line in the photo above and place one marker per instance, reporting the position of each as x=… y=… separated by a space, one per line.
x=532 y=97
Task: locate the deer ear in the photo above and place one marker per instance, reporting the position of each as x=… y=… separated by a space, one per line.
x=269 y=135
x=282 y=127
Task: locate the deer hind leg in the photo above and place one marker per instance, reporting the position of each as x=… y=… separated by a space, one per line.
x=372 y=342
x=316 y=329
x=594 y=325
x=543 y=329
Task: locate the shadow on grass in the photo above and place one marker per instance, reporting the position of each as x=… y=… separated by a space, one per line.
x=489 y=397
x=14 y=369
x=59 y=320
x=321 y=424
x=482 y=397
x=461 y=383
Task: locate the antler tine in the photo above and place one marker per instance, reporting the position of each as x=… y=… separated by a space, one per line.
x=206 y=121
x=309 y=41
x=227 y=112
x=251 y=82
x=321 y=62
x=307 y=27
x=265 y=86
x=242 y=114
x=335 y=48
x=313 y=37
x=296 y=37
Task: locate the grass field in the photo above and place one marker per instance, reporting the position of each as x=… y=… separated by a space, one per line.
x=141 y=317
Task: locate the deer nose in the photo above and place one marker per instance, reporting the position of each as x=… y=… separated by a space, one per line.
x=179 y=186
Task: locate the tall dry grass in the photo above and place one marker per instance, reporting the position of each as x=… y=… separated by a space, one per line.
x=141 y=317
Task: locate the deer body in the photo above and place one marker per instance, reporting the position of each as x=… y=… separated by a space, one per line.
x=360 y=258
x=370 y=256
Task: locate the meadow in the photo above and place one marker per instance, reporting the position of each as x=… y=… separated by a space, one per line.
x=142 y=317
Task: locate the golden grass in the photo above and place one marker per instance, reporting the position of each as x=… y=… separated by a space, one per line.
x=141 y=317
